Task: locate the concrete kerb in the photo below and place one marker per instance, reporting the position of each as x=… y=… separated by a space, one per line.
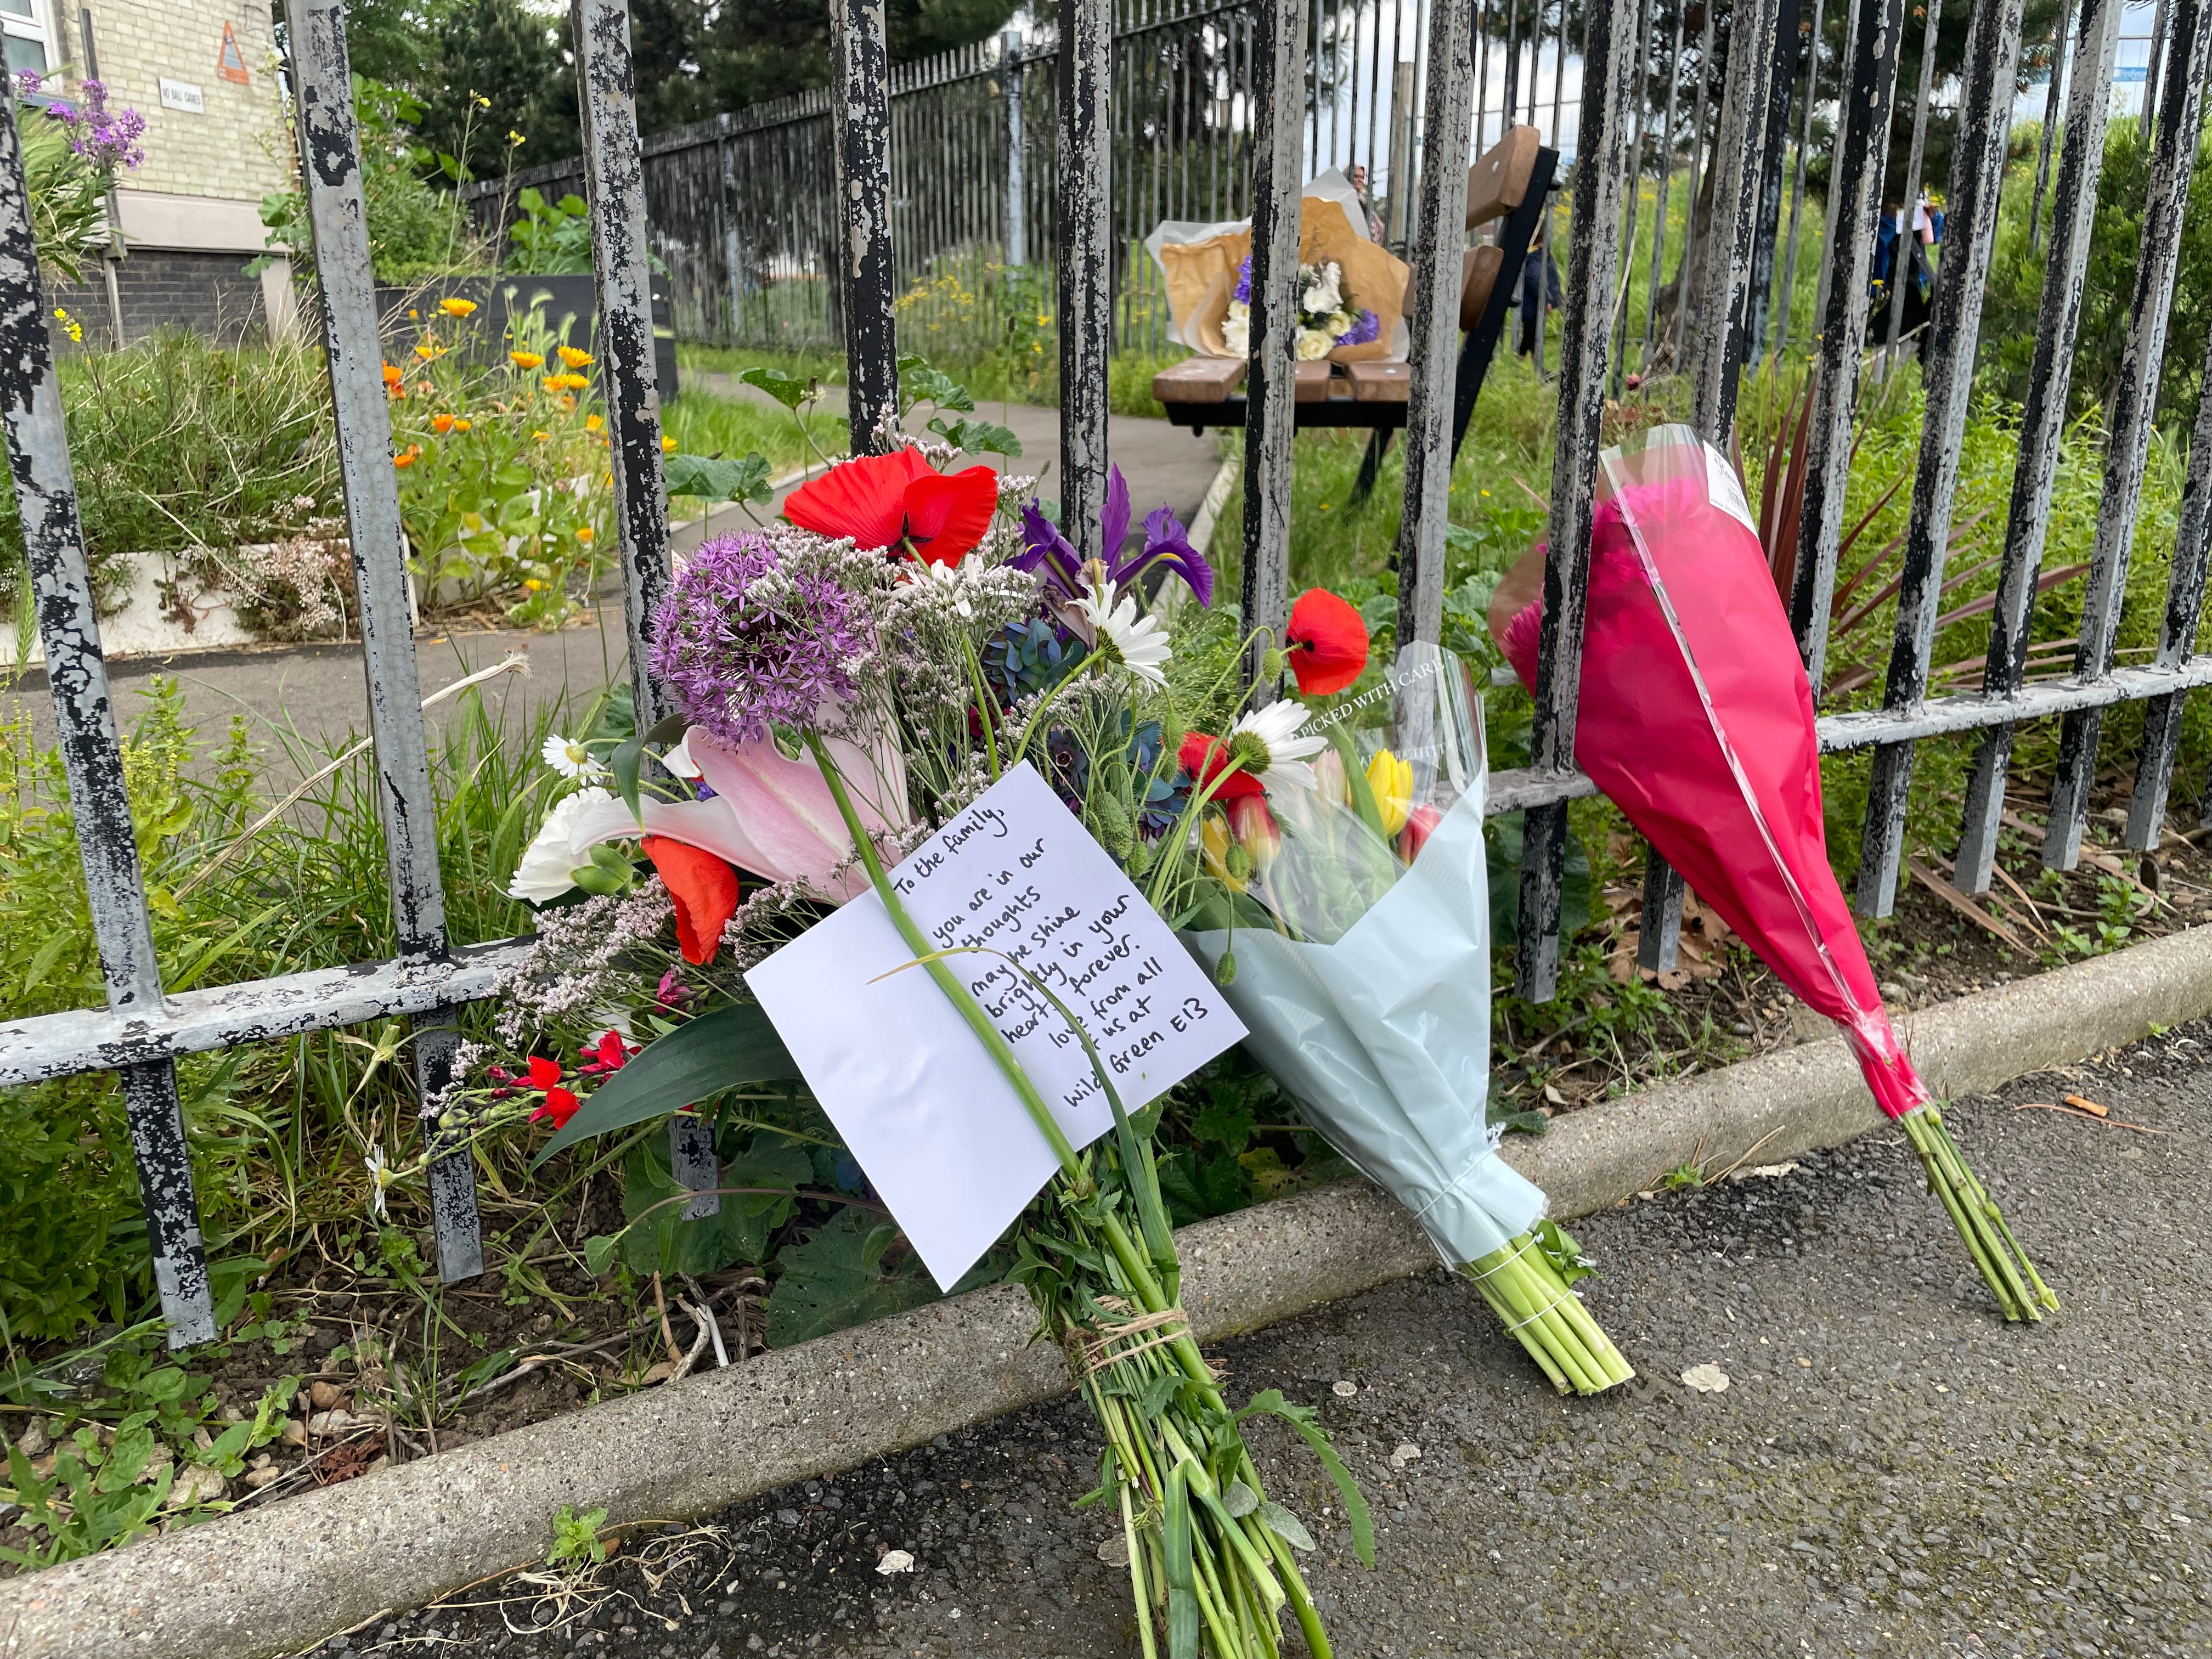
x=274 y=1580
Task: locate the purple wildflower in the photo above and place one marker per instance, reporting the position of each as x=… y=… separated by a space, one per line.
x=1243 y=295
x=746 y=644
x=1367 y=326
x=1166 y=539
x=108 y=138
x=27 y=82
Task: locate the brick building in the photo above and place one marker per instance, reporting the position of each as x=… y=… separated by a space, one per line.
x=203 y=73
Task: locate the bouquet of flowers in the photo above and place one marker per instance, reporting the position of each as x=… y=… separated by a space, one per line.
x=848 y=683
x=1695 y=720
x=1362 y=970
x=1329 y=317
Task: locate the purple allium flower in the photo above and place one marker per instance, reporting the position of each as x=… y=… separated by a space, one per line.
x=745 y=644
x=1243 y=294
x=1367 y=326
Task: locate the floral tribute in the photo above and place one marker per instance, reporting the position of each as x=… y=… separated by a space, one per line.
x=1328 y=316
x=845 y=682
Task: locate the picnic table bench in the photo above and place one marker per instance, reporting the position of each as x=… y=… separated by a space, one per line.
x=1513 y=179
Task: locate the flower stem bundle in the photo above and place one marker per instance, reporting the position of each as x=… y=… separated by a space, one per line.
x=2012 y=1278
x=1209 y=1554
x=1528 y=1285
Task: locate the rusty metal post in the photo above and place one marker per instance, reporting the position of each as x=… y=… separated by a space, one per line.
x=860 y=125
x=330 y=168
x=1279 y=55
x=84 y=715
x=1439 y=237
x=1085 y=250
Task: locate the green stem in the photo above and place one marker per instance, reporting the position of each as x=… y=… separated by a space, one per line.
x=993 y=1040
x=1136 y=1569
x=982 y=705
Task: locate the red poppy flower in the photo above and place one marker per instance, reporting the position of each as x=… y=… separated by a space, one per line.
x=705 y=889
x=544 y=1073
x=900 y=503
x=559 y=1106
x=1204 y=758
x=1326 y=643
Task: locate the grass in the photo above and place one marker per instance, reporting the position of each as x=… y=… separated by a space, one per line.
x=992 y=378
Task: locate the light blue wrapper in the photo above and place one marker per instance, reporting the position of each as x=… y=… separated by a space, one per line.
x=1383 y=1038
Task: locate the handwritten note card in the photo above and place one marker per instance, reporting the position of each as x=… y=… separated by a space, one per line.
x=920 y=1103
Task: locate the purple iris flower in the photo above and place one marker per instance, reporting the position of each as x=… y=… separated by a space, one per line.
x=1367 y=326
x=1243 y=294
x=1165 y=541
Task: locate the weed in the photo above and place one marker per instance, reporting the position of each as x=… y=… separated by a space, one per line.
x=577 y=1544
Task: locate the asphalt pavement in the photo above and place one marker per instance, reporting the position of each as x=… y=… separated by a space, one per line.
x=1890 y=1469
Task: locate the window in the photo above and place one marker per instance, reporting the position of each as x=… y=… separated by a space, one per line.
x=25 y=24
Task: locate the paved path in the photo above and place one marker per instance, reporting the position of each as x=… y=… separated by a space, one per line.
x=1891 y=1472
x=316 y=693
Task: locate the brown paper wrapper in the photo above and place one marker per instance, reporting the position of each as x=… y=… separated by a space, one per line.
x=1202 y=279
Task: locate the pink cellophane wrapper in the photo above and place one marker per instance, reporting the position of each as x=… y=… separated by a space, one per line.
x=1697 y=720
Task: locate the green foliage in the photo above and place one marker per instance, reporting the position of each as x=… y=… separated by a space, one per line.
x=576 y=1541
x=731 y=1048
x=842 y=1274
x=549 y=239
x=182 y=447
x=68 y=197
x=2016 y=277
x=414 y=232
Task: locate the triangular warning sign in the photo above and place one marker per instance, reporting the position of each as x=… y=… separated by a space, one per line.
x=232 y=64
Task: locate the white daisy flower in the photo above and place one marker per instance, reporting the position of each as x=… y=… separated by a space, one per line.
x=1274 y=745
x=571 y=759
x=380 y=1177
x=543 y=873
x=678 y=760
x=1137 y=643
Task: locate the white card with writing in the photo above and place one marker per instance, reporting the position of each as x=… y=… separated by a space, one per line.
x=920 y=1105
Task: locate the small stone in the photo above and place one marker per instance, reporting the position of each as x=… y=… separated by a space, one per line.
x=1405 y=1455
x=295 y=1432
x=376 y=1464
x=266 y=1475
x=753 y=1642
x=323 y=1396
x=336 y=1421
x=660 y=1372
x=35 y=1440
x=1706 y=1379
x=1114 y=1551
x=196 y=1483
x=893 y=1561
x=1344 y=1389
x=786 y=1517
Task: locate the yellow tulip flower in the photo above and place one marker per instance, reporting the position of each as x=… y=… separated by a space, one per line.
x=1392 y=780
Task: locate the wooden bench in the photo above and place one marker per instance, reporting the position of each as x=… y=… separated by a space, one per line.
x=1199 y=380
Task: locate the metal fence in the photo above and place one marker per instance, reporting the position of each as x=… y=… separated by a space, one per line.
x=740 y=213
x=856 y=196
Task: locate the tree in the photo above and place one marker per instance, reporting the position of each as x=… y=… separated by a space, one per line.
x=756 y=50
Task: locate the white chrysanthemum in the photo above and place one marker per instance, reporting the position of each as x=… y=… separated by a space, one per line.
x=570 y=759
x=678 y=760
x=1314 y=345
x=1338 y=325
x=1324 y=293
x=544 y=871
x=1274 y=744
x=1137 y=643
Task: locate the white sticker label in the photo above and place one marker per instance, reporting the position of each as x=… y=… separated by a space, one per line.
x=183 y=95
x=1725 y=490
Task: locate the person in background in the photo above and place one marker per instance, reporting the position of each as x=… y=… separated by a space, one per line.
x=1540 y=291
x=1357 y=175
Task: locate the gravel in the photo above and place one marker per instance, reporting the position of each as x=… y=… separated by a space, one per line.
x=1890 y=1469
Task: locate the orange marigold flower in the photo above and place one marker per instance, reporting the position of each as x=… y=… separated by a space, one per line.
x=541 y=436
x=441 y=423
x=430 y=351
x=462 y=424
x=553 y=382
x=668 y=446
x=592 y=423
x=584 y=535
x=574 y=358
x=406 y=457
x=525 y=360
x=568 y=404
x=391 y=375
x=457 y=308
